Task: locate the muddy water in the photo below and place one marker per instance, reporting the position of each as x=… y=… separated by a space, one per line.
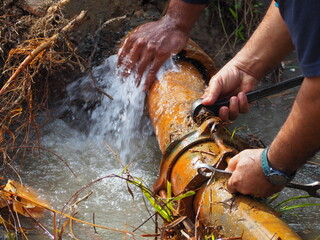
x=111 y=203
x=122 y=124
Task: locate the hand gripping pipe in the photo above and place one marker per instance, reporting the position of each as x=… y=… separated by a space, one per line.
x=185 y=145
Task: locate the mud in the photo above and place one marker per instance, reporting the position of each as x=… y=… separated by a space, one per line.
x=98 y=38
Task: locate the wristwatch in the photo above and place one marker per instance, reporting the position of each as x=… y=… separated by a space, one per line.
x=274 y=176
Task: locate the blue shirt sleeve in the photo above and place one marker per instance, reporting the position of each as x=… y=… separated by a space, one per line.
x=197 y=1
x=303 y=21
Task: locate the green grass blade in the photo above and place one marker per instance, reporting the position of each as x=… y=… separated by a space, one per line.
x=164 y=213
x=291 y=199
x=287 y=208
x=233 y=13
x=169 y=195
x=182 y=196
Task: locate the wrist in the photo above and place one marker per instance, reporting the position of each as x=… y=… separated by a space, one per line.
x=174 y=23
x=272 y=174
x=183 y=15
x=250 y=65
x=281 y=161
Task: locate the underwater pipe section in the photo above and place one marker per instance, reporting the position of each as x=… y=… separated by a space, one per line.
x=185 y=145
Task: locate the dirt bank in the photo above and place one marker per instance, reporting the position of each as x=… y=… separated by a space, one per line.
x=219 y=31
x=24 y=24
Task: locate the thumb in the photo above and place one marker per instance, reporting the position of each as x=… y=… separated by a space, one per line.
x=232 y=165
x=212 y=92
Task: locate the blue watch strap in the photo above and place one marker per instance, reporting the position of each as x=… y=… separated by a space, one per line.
x=265 y=162
x=269 y=171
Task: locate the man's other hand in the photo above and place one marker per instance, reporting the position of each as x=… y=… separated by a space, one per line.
x=149 y=46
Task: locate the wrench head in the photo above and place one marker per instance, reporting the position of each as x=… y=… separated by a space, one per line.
x=196 y=110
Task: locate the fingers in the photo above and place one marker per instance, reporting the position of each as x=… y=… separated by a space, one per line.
x=145 y=60
x=229 y=81
x=154 y=68
x=131 y=54
x=224 y=113
x=154 y=60
x=243 y=102
x=247 y=176
x=231 y=185
x=232 y=165
x=237 y=104
x=239 y=180
x=148 y=47
x=142 y=56
x=234 y=108
x=124 y=50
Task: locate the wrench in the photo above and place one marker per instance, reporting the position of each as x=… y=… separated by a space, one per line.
x=207 y=170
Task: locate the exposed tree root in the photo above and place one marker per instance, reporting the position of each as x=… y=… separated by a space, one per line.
x=43 y=46
x=24 y=95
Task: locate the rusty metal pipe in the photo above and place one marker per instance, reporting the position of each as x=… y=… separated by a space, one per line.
x=185 y=144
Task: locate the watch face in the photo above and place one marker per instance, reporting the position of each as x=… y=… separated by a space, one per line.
x=278 y=179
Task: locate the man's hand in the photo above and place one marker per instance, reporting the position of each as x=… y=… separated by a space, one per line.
x=247 y=177
x=149 y=46
x=262 y=52
x=231 y=81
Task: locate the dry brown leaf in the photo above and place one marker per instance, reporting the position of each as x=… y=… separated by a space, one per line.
x=25 y=198
x=2 y=203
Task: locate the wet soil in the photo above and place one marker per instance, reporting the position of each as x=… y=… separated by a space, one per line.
x=97 y=38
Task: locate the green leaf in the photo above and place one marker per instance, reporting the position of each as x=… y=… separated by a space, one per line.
x=233 y=13
x=182 y=196
x=10 y=236
x=211 y=237
x=164 y=213
x=239 y=32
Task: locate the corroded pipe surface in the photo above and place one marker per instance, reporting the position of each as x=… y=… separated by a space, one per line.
x=240 y=215
x=185 y=144
x=170 y=113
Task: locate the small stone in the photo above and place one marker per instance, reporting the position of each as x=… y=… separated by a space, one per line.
x=36 y=7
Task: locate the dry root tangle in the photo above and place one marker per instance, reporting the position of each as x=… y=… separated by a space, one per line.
x=25 y=92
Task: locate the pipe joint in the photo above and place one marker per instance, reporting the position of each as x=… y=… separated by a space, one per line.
x=201 y=146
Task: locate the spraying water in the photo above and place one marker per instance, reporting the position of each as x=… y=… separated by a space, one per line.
x=80 y=141
x=121 y=121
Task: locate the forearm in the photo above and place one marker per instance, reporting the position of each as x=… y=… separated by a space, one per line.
x=183 y=15
x=299 y=137
x=267 y=46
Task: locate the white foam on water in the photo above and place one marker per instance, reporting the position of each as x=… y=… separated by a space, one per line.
x=121 y=122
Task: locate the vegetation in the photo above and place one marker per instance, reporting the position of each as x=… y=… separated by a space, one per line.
x=231 y=23
x=24 y=89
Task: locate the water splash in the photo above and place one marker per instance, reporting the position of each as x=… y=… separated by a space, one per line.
x=121 y=121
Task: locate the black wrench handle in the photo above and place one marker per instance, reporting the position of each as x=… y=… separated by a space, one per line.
x=311 y=188
x=259 y=93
